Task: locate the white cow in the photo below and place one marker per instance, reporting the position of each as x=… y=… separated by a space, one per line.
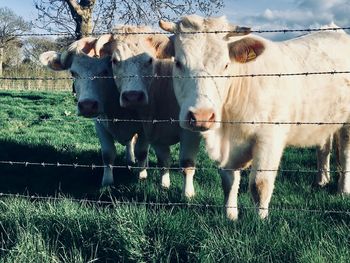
x=207 y=103
x=153 y=97
x=97 y=97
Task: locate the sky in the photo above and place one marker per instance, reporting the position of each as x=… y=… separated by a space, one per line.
x=258 y=14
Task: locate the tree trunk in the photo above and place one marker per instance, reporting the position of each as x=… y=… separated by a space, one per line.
x=1 y=59
x=84 y=25
x=82 y=15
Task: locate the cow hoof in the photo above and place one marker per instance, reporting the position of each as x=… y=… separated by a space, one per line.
x=263 y=213
x=107 y=181
x=143 y=175
x=321 y=180
x=232 y=213
x=344 y=191
x=130 y=161
x=189 y=194
x=166 y=181
x=322 y=183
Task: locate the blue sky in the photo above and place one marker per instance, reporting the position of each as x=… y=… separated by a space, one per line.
x=259 y=14
x=24 y=8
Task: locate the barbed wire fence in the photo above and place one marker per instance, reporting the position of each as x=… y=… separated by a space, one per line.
x=257 y=31
x=63 y=83
x=116 y=203
x=66 y=80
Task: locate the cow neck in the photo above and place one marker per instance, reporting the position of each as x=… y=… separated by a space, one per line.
x=113 y=109
x=240 y=91
x=162 y=100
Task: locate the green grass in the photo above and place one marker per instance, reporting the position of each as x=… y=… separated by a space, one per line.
x=67 y=231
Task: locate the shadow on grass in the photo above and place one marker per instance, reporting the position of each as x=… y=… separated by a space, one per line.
x=24 y=95
x=74 y=182
x=48 y=181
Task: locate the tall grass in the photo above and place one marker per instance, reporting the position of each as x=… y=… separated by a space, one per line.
x=67 y=231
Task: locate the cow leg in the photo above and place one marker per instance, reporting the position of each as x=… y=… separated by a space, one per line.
x=266 y=157
x=344 y=160
x=230 y=184
x=240 y=158
x=130 y=150
x=108 y=153
x=163 y=156
x=189 y=148
x=141 y=154
x=323 y=159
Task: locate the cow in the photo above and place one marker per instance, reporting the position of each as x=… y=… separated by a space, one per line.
x=97 y=98
x=153 y=97
x=220 y=94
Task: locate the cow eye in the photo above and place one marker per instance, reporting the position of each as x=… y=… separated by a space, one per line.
x=226 y=66
x=74 y=74
x=114 y=61
x=148 y=62
x=178 y=64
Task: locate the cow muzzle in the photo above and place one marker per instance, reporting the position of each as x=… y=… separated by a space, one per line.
x=88 y=108
x=200 y=120
x=133 y=98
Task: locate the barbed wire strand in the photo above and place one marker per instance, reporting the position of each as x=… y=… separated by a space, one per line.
x=258 y=31
x=130 y=167
x=171 y=121
x=115 y=202
x=333 y=72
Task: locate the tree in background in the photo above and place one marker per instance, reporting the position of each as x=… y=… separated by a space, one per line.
x=10 y=26
x=84 y=17
x=12 y=53
x=34 y=46
x=66 y=16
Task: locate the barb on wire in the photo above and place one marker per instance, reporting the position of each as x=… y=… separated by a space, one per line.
x=258 y=31
x=306 y=74
x=115 y=202
x=203 y=168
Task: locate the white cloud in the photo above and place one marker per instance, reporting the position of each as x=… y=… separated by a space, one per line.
x=299 y=14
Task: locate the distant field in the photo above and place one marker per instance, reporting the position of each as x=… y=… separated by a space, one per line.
x=67 y=231
x=34 y=77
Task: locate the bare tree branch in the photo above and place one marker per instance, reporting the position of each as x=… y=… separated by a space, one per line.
x=87 y=16
x=11 y=25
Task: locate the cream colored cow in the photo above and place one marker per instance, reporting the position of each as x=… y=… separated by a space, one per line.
x=98 y=97
x=152 y=97
x=208 y=103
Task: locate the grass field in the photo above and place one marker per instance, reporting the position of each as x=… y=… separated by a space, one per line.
x=68 y=231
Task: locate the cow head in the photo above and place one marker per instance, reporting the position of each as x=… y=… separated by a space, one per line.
x=134 y=56
x=207 y=56
x=82 y=59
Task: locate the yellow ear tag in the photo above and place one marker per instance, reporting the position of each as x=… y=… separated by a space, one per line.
x=251 y=54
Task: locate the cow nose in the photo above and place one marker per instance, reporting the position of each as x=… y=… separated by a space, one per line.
x=201 y=120
x=88 y=108
x=130 y=98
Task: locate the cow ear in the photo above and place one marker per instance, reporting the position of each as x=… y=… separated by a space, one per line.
x=245 y=49
x=167 y=26
x=104 y=45
x=87 y=46
x=52 y=60
x=162 y=45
